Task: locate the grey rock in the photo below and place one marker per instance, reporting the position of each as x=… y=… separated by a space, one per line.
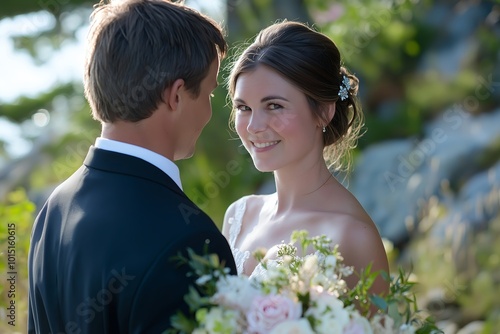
x=393 y=179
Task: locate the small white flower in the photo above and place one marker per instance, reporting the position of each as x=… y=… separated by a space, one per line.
x=274 y=271
x=382 y=324
x=329 y=312
x=331 y=261
x=310 y=264
x=406 y=329
x=235 y=292
x=320 y=279
x=347 y=271
x=308 y=269
x=219 y=320
x=203 y=279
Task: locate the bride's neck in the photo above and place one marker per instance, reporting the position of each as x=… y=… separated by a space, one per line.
x=295 y=190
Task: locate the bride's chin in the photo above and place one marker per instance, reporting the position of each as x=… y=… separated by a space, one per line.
x=264 y=169
x=263 y=165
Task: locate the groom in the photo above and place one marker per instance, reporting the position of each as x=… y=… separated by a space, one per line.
x=101 y=250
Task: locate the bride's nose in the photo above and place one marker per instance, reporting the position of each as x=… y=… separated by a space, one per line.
x=258 y=122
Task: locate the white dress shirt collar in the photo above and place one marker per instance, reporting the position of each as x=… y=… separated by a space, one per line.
x=163 y=163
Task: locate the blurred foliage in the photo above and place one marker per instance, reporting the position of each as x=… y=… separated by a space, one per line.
x=16 y=215
x=46 y=25
x=458 y=272
x=24 y=107
x=56 y=7
x=392 y=45
x=491 y=155
x=245 y=18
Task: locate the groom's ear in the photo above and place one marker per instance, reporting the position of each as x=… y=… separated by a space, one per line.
x=173 y=94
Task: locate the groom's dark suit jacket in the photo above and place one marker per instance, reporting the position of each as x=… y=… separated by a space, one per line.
x=101 y=248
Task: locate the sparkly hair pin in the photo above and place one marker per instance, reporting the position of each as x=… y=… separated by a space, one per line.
x=344 y=88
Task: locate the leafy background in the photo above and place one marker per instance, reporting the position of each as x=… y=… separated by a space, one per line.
x=393 y=46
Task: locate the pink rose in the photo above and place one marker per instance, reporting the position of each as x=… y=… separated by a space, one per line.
x=268 y=311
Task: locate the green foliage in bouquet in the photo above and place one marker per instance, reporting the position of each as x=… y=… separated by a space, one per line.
x=296 y=293
x=207 y=269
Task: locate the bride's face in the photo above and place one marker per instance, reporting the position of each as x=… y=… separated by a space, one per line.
x=274 y=120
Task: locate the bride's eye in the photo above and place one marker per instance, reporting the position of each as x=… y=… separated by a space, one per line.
x=242 y=108
x=274 y=106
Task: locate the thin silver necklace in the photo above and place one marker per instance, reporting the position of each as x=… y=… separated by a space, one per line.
x=326 y=181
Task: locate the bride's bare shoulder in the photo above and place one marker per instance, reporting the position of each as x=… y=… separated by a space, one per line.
x=255 y=202
x=251 y=203
x=248 y=200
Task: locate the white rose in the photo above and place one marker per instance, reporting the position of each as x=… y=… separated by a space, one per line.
x=235 y=292
x=358 y=325
x=300 y=326
x=329 y=312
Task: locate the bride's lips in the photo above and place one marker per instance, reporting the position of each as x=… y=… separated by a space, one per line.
x=264 y=146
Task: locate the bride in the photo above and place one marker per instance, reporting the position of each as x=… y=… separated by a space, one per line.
x=296 y=113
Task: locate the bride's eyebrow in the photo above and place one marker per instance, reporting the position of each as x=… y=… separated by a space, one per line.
x=273 y=97
x=264 y=99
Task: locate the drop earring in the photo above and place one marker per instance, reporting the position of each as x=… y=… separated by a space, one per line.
x=324 y=129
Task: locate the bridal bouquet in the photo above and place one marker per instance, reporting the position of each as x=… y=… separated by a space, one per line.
x=297 y=294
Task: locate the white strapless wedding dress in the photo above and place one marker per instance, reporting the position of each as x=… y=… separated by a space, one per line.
x=240 y=257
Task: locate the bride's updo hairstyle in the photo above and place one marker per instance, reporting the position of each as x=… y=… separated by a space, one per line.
x=310 y=61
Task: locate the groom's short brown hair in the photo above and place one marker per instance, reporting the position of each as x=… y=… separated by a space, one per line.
x=138 y=48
